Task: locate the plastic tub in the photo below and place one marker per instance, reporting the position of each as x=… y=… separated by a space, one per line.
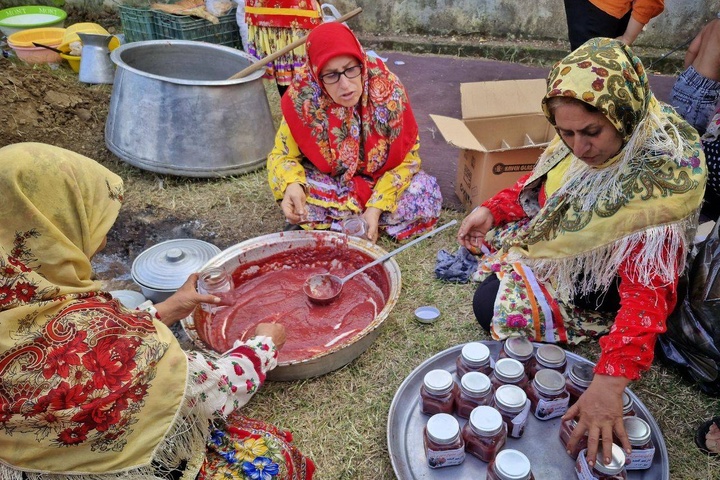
x=47 y=36
x=37 y=54
x=73 y=61
x=16 y=19
x=71 y=35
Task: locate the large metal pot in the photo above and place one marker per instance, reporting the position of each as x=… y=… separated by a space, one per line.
x=172 y=109
x=341 y=353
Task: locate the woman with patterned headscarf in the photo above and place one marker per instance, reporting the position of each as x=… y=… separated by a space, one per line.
x=89 y=389
x=603 y=222
x=348 y=144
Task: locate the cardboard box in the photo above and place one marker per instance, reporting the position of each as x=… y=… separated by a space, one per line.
x=502 y=133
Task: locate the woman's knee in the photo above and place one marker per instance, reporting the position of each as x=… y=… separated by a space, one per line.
x=484 y=301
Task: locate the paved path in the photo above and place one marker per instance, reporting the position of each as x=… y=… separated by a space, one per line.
x=433 y=84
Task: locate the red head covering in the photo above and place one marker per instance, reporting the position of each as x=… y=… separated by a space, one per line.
x=359 y=143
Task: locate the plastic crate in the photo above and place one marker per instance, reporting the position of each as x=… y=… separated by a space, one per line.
x=183 y=27
x=137 y=23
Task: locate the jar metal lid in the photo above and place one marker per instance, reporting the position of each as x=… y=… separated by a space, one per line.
x=443 y=428
x=509 y=370
x=476 y=383
x=476 y=354
x=637 y=429
x=438 y=381
x=485 y=420
x=427 y=314
x=519 y=347
x=512 y=465
x=627 y=402
x=549 y=382
x=167 y=265
x=581 y=374
x=511 y=398
x=616 y=464
x=551 y=355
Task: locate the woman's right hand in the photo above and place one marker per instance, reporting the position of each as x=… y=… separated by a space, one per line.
x=293 y=203
x=474 y=227
x=275 y=331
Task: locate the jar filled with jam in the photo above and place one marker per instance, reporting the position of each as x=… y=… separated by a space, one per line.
x=485 y=433
x=566 y=429
x=643 y=450
x=628 y=405
x=519 y=348
x=444 y=445
x=579 y=378
x=510 y=464
x=508 y=371
x=438 y=392
x=546 y=356
x=547 y=394
x=475 y=390
x=613 y=470
x=512 y=403
x=474 y=357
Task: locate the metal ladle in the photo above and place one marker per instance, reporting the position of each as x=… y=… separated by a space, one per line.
x=324 y=288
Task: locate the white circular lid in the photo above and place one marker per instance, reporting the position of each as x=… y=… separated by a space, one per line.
x=637 y=429
x=510 y=397
x=129 y=298
x=512 y=465
x=509 y=368
x=627 y=402
x=519 y=347
x=438 y=380
x=551 y=355
x=476 y=383
x=486 y=420
x=443 y=428
x=166 y=265
x=427 y=314
x=549 y=381
x=616 y=464
x=476 y=353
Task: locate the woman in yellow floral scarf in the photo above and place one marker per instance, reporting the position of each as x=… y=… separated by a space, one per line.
x=604 y=221
x=90 y=389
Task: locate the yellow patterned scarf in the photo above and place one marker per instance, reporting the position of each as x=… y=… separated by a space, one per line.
x=87 y=387
x=648 y=194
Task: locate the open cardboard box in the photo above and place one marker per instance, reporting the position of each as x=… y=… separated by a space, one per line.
x=501 y=135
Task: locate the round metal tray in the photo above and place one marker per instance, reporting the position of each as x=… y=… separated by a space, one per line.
x=540 y=442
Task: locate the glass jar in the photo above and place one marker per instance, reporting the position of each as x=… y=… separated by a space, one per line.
x=214 y=281
x=475 y=390
x=519 y=348
x=547 y=394
x=444 y=446
x=474 y=357
x=508 y=371
x=643 y=450
x=546 y=356
x=579 y=378
x=613 y=470
x=566 y=429
x=512 y=403
x=485 y=433
x=510 y=464
x=438 y=392
x=628 y=405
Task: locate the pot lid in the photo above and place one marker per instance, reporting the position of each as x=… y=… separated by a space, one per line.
x=167 y=265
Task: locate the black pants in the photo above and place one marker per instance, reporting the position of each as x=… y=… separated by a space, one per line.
x=586 y=21
x=484 y=301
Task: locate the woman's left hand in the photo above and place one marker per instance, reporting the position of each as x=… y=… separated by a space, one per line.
x=372 y=217
x=181 y=303
x=599 y=412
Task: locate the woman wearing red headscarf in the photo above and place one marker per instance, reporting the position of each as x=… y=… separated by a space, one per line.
x=348 y=144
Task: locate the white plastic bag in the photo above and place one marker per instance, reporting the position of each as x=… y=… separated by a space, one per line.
x=330 y=13
x=242 y=25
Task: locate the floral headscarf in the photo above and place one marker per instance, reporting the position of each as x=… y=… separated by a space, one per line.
x=358 y=143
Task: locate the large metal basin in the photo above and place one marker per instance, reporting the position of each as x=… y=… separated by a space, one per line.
x=341 y=353
x=172 y=109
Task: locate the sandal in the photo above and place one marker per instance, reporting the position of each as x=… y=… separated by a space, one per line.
x=701 y=432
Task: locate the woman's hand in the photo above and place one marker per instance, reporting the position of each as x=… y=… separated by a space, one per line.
x=273 y=330
x=474 y=227
x=293 y=203
x=372 y=217
x=183 y=302
x=599 y=412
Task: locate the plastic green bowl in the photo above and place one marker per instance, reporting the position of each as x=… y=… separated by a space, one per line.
x=15 y=19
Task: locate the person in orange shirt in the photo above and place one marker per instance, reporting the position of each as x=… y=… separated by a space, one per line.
x=621 y=19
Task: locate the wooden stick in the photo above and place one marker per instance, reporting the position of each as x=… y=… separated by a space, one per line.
x=300 y=41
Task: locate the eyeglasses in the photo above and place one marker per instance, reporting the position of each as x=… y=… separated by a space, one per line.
x=334 y=77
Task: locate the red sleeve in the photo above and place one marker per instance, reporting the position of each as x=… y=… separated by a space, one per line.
x=628 y=349
x=505 y=205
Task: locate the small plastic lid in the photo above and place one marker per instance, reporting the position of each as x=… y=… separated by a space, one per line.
x=485 y=420
x=519 y=347
x=510 y=397
x=616 y=464
x=129 y=298
x=476 y=354
x=427 y=314
x=509 y=369
x=512 y=465
x=550 y=382
x=438 y=381
x=167 y=265
x=475 y=383
x=637 y=429
x=581 y=374
x=551 y=355
x=443 y=428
